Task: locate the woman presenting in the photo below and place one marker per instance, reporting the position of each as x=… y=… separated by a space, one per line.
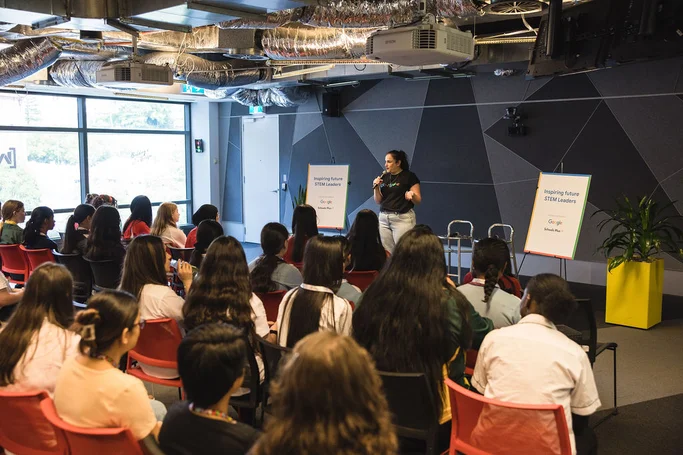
x=396 y=191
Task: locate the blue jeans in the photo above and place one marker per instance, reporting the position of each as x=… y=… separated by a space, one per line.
x=393 y=225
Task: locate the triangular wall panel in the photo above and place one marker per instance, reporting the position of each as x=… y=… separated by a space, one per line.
x=391 y=93
x=506 y=166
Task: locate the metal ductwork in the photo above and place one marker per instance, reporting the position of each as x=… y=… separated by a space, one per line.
x=310 y=43
x=26 y=58
x=456 y=8
x=208 y=74
x=76 y=73
x=276 y=96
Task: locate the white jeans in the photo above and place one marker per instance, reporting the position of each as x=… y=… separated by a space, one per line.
x=393 y=225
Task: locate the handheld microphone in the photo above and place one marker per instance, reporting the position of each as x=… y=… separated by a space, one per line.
x=381 y=175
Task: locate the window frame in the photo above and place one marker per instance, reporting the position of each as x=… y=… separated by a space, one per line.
x=82 y=130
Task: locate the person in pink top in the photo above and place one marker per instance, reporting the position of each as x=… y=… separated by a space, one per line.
x=36 y=341
x=140 y=219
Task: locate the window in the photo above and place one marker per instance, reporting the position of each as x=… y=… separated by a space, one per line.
x=131 y=147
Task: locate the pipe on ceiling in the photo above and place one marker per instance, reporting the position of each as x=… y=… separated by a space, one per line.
x=26 y=58
x=307 y=43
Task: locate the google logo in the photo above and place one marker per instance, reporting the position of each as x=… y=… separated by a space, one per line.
x=555 y=222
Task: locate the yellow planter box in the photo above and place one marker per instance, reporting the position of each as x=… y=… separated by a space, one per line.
x=634 y=294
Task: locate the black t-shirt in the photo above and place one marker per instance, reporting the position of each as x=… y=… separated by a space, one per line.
x=393 y=189
x=185 y=433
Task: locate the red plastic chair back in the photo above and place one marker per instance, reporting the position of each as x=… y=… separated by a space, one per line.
x=36 y=257
x=483 y=426
x=271 y=302
x=158 y=343
x=362 y=279
x=14 y=261
x=91 y=440
x=24 y=429
x=470 y=361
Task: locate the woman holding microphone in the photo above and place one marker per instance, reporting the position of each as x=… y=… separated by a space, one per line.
x=396 y=191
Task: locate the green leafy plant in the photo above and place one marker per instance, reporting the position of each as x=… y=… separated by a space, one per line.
x=300 y=197
x=639 y=232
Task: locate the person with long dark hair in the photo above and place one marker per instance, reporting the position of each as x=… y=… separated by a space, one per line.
x=104 y=241
x=489 y=259
x=205 y=212
x=36 y=341
x=207 y=232
x=91 y=391
x=270 y=272
x=367 y=251
x=347 y=290
x=13 y=213
x=304 y=227
x=78 y=229
x=412 y=320
x=313 y=305
x=35 y=233
x=396 y=191
x=533 y=363
x=222 y=292
x=140 y=219
x=328 y=400
x=211 y=362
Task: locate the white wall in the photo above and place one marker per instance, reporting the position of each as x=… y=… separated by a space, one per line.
x=205 y=166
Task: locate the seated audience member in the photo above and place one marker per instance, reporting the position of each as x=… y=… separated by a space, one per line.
x=411 y=320
x=207 y=232
x=104 y=199
x=489 y=260
x=104 y=241
x=205 y=212
x=9 y=297
x=140 y=219
x=90 y=198
x=13 y=213
x=77 y=230
x=367 y=252
x=328 y=400
x=507 y=282
x=165 y=225
x=91 y=391
x=35 y=234
x=533 y=363
x=144 y=276
x=221 y=292
x=313 y=306
x=270 y=272
x=36 y=341
x=347 y=290
x=211 y=362
x=304 y=227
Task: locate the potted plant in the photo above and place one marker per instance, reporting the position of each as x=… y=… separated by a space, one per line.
x=300 y=197
x=635 y=272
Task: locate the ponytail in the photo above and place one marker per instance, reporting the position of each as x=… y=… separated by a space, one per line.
x=33 y=225
x=273 y=239
x=81 y=212
x=400 y=155
x=488 y=261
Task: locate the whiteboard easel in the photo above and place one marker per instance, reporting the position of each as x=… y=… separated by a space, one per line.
x=327 y=192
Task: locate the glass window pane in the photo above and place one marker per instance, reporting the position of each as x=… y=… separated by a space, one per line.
x=38 y=110
x=134 y=115
x=40 y=169
x=60 y=225
x=126 y=165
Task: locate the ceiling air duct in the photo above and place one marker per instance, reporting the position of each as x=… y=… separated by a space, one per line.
x=275 y=96
x=26 y=58
x=310 y=43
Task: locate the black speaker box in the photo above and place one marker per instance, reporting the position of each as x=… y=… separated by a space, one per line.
x=331 y=107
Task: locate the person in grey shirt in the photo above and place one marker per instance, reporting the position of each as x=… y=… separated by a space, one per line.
x=269 y=272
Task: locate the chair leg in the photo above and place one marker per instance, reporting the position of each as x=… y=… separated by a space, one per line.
x=180 y=393
x=615 y=410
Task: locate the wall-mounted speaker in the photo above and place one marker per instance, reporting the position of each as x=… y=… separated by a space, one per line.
x=331 y=105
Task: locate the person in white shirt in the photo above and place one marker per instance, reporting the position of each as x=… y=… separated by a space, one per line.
x=221 y=292
x=165 y=225
x=313 y=306
x=8 y=298
x=533 y=363
x=36 y=341
x=144 y=276
x=489 y=260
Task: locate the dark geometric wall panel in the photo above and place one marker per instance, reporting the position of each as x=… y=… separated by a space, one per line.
x=552 y=129
x=515 y=202
x=658 y=76
x=350 y=94
x=387 y=130
x=444 y=202
x=674 y=188
x=348 y=148
x=449 y=91
x=391 y=93
x=304 y=124
x=575 y=86
x=489 y=88
x=654 y=126
x=450 y=147
x=312 y=149
x=506 y=166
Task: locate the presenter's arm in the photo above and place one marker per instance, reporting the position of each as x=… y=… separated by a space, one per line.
x=376 y=193
x=413 y=195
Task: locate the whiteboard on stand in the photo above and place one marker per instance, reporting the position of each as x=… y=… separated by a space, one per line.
x=327 y=191
x=557 y=215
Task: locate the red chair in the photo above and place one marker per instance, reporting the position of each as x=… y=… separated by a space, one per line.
x=470 y=361
x=271 y=302
x=158 y=347
x=24 y=429
x=362 y=279
x=483 y=426
x=36 y=257
x=14 y=262
x=299 y=265
x=91 y=440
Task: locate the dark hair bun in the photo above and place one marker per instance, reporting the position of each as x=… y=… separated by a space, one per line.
x=89 y=316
